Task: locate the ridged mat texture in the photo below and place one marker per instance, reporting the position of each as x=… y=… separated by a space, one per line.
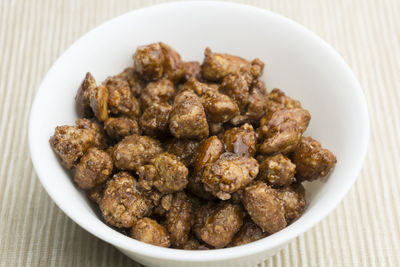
x=364 y=230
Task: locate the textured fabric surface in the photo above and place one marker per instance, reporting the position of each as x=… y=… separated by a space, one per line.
x=364 y=230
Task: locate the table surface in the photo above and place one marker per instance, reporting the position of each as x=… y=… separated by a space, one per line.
x=364 y=230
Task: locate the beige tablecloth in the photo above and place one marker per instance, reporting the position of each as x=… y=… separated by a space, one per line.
x=363 y=231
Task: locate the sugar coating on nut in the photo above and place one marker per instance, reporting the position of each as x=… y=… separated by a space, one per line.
x=82 y=101
x=216 y=128
x=199 y=87
x=163 y=205
x=237 y=88
x=134 y=151
x=201 y=210
x=312 y=160
x=191 y=244
x=136 y=84
x=196 y=187
x=93 y=169
x=257 y=103
x=100 y=139
x=96 y=193
x=120 y=98
x=294 y=202
x=228 y=174
x=98 y=101
x=179 y=218
x=149 y=61
x=277 y=170
x=256 y=68
x=208 y=152
x=155 y=119
x=150 y=231
x=71 y=142
x=187 y=118
x=191 y=69
x=277 y=100
x=158 y=60
x=220 y=224
x=264 y=207
x=118 y=128
x=237 y=196
x=217 y=65
x=166 y=202
x=154 y=196
x=165 y=172
x=241 y=141
x=122 y=203
x=173 y=65
x=184 y=149
x=161 y=91
x=219 y=108
x=281 y=130
x=248 y=233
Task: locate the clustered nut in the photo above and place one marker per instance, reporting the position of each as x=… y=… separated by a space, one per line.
x=191 y=155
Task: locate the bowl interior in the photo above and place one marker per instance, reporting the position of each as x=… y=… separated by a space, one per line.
x=296 y=61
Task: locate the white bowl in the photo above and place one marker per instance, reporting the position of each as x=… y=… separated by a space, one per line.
x=297 y=61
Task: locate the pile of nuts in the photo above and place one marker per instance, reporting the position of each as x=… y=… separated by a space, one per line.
x=188 y=155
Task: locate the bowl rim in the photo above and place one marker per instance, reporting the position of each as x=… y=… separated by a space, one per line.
x=278 y=239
